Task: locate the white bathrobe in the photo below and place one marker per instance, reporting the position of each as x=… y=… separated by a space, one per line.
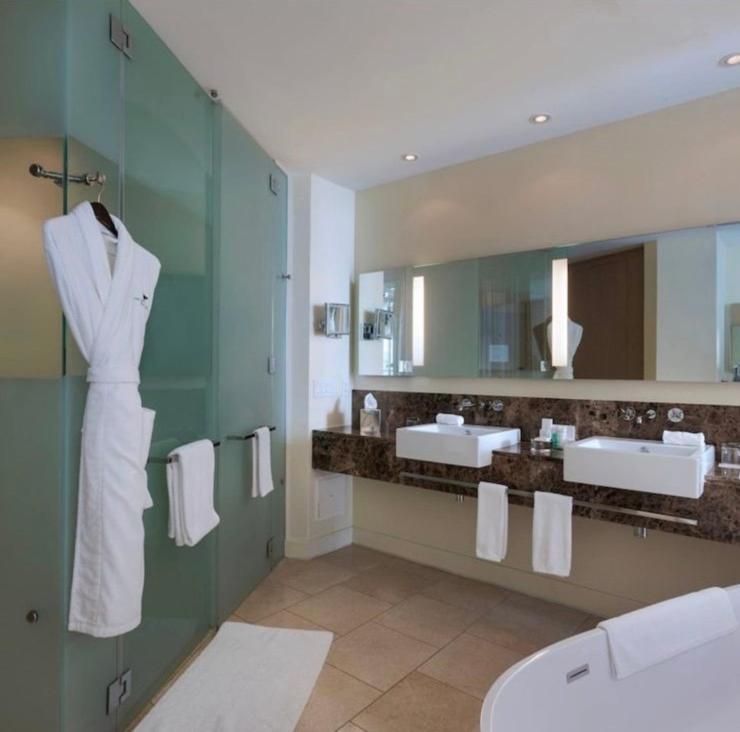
x=107 y=315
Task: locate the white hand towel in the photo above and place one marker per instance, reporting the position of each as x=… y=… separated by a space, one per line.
x=552 y=533
x=190 y=487
x=493 y=522
x=261 y=463
x=671 y=437
x=653 y=634
x=453 y=419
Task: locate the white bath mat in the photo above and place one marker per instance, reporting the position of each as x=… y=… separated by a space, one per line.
x=248 y=679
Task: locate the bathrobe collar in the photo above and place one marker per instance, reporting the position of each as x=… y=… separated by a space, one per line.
x=107 y=284
x=114 y=289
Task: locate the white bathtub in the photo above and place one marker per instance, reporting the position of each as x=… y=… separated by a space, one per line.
x=698 y=691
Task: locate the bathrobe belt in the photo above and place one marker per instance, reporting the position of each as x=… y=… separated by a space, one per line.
x=113 y=374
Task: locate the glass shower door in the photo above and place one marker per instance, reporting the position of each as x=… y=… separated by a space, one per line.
x=166 y=205
x=251 y=235
x=94 y=127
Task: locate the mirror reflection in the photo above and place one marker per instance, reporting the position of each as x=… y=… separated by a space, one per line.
x=662 y=307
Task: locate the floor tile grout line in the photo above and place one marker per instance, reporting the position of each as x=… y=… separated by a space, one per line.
x=367 y=706
x=352 y=721
x=383 y=691
x=454 y=688
x=411 y=637
x=506 y=592
x=199 y=648
x=506 y=595
x=373 y=619
x=342 y=635
x=517 y=569
x=401 y=680
x=450 y=575
x=439 y=648
x=436 y=650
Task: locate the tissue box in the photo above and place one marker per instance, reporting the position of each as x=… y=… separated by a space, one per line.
x=370 y=422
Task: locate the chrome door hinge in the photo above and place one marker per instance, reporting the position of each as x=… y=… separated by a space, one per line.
x=271 y=364
x=118 y=691
x=120 y=37
x=269 y=548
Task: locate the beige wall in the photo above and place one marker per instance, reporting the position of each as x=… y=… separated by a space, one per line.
x=30 y=316
x=666 y=170
x=612 y=571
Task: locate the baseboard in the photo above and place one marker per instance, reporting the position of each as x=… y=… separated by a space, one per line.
x=315 y=547
x=552 y=589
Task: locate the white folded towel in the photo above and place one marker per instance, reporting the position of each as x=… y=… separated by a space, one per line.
x=190 y=487
x=261 y=463
x=493 y=522
x=656 y=633
x=552 y=533
x=671 y=437
x=453 y=419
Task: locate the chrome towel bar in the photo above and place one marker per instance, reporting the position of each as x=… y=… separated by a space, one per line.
x=164 y=459
x=246 y=437
x=581 y=504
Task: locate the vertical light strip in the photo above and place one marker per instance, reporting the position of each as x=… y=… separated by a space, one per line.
x=417 y=321
x=559 y=312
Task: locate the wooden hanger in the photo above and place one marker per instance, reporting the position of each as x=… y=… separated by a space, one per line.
x=102 y=215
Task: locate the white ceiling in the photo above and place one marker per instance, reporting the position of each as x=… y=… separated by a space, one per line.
x=342 y=88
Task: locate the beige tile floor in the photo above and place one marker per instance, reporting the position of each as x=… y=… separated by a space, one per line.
x=415 y=649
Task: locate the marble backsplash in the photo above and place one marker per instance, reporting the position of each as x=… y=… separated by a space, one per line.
x=590 y=417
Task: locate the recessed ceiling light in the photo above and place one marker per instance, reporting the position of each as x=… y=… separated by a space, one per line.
x=732 y=59
x=539 y=119
x=409 y=158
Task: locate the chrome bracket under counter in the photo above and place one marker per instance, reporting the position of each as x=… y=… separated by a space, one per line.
x=529 y=495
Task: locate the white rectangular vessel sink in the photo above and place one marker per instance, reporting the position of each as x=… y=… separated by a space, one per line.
x=649 y=466
x=468 y=446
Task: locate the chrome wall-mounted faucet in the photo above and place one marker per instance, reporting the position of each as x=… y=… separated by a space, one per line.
x=492 y=405
x=465 y=404
x=629 y=414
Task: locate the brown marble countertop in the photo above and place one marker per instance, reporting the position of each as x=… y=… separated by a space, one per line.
x=522 y=448
x=716 y=513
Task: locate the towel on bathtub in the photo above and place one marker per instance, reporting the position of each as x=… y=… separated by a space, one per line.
x=492 y=530
x=653 y=634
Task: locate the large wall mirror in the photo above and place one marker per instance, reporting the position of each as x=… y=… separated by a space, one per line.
x=661 y=307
